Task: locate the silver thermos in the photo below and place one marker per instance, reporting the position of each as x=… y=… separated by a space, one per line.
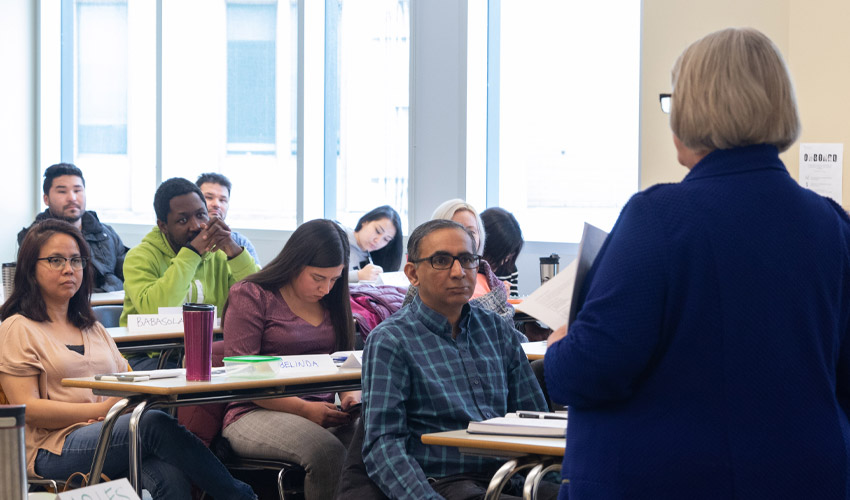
x=13 y=456
x=548 y=267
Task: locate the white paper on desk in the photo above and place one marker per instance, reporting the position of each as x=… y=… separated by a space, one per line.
x=821 y=168
x=554 y=303
x=396 y=278
x=166 y=373
x=534 y=348
x=119 y=488
x=307 y=363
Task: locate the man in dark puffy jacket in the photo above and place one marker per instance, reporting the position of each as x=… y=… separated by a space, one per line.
x=65 y=197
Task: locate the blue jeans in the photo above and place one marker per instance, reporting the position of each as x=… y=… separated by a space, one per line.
x=172 y=459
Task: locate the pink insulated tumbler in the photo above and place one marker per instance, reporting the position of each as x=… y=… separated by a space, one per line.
x=197 y=336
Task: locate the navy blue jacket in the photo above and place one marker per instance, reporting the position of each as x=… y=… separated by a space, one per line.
x=107 y=250
x=710 y=356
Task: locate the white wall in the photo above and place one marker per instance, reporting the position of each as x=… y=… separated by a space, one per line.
x=17 y=126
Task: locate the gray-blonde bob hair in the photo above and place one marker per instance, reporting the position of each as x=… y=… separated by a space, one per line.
x=731 y=88
x=447 y=210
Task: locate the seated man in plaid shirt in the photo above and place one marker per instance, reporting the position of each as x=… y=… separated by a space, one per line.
x=436 y=365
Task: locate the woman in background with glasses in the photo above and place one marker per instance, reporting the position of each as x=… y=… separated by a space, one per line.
x=49 y=332
x=490 y=292
x=710 y=357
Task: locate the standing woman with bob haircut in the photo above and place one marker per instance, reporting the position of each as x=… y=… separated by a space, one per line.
x=710 y=357
x=376 y=244
x=49 y=332
x=298 y=304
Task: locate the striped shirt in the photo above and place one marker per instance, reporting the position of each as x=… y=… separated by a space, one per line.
x=418 y=379
x=513 y=279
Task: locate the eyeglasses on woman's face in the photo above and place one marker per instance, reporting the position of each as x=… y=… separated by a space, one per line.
x=57 y=263
x=665 y=102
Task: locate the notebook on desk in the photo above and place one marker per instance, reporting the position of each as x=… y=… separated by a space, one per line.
x=515 y=426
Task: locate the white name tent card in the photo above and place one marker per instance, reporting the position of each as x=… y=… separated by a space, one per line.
x=110 y=490
x=164 y=322
x=154 y=323
x=307 y=363
x=348 y=359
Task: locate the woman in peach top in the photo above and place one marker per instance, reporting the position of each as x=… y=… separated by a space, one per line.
x=49 y=332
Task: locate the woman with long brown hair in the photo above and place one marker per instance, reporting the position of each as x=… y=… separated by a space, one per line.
x=49 y=332
x=298 y=304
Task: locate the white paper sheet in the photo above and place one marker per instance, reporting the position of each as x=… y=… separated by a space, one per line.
x=821 y=166
x=554 y=302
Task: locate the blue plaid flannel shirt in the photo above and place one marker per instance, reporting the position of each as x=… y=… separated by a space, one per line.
x=417 y=379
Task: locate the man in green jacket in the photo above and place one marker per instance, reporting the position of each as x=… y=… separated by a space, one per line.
x=188 y=257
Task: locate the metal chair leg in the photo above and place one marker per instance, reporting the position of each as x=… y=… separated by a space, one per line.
x=280 y=488
x=136 y=448
x=103 y=441
x=504 y=474
x=532 y=481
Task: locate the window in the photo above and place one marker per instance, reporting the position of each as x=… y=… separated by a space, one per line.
x=102 y=75
x=555 y=113
x=228 y=90
x=153 y=90
x=251 y=77
x=367 y=88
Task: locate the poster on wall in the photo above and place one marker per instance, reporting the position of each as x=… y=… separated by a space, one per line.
x=820 y=168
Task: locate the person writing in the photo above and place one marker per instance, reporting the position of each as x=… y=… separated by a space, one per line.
x=48 y=333
x=710 y=354
x=376 y=244
x=298 y=304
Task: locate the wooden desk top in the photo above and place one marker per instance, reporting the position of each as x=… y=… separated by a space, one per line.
x=179 y=385
x=535 y=350
x=487 y=444
x=108 y=298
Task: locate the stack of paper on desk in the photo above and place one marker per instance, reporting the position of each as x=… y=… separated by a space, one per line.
x=514 y=426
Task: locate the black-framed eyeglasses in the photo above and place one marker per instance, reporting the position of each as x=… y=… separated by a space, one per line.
x=664 y=99
x=56 y=263
x=443 y=261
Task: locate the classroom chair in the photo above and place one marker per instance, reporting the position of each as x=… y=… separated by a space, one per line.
x=205 y=421
x=97 y=460
x=108 y=315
